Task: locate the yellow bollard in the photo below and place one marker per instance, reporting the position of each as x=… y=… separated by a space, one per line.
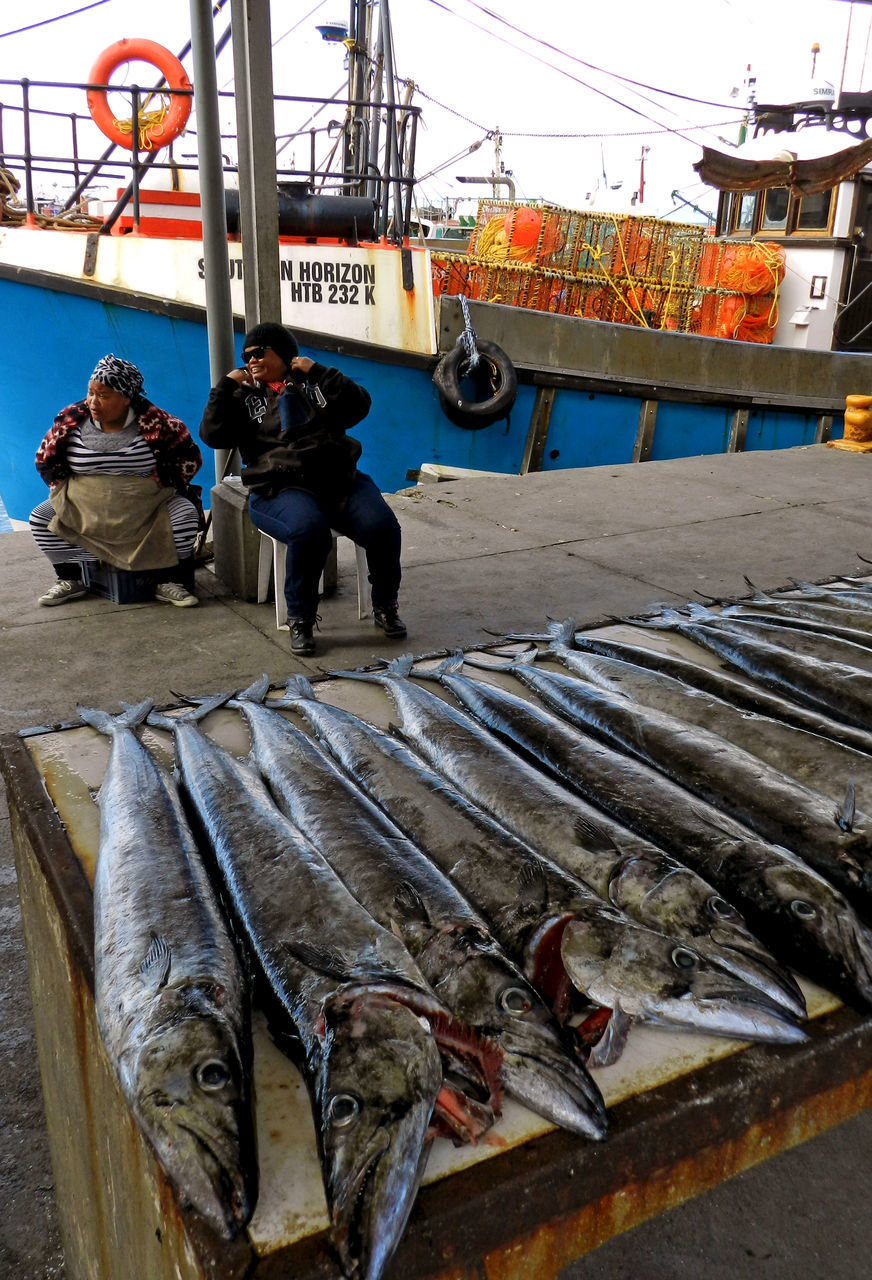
x=858 y=426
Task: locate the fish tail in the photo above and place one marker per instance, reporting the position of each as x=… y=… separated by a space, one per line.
x=103 y=722
x=525 y=659
x=297 y=689
x=450 y=666
x=204 y=707
x=396 y=667
x=254 y=693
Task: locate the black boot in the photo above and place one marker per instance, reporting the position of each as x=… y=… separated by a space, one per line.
x=386 y=617
x=302 y=640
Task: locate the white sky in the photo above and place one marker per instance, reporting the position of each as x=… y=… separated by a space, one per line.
x=698 y=48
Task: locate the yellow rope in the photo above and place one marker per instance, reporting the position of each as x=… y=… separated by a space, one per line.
x=150 y=124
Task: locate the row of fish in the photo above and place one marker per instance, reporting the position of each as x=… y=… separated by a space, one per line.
x=481 y=901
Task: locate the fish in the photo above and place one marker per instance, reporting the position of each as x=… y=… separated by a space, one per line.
x=837 y=843
x=838 y=689
x=343 y=995
x=820 y=762
x=738 y=691
x=818 y=640
x=404 y=891
x=807 y=922
x=171 y=996
x=826 y=611
x=706 y=997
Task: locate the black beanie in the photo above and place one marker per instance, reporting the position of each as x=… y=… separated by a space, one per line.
x=281 y=340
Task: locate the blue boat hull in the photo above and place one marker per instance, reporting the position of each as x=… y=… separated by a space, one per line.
x=62 y=331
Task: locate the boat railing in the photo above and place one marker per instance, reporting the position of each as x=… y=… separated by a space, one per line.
x=41 y=144
x=858 y=309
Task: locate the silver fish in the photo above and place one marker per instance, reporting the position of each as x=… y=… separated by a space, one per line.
x=837 y=843
x=838 y=689
x=406 y=892
x=674 y=983
x=359 y=1009
x=805 y=920
x=739 y=690
x=820 y=762
x=171 y=998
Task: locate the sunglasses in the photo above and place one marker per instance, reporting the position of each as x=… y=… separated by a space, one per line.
x=255 y=353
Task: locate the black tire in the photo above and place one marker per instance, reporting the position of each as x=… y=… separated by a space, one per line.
x=495 y=380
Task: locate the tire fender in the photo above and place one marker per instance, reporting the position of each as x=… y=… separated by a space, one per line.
x=495 y=380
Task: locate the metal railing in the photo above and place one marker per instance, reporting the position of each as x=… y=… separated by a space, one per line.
x=348 y=170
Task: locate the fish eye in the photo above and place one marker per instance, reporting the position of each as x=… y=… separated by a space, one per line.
x=720 y=907
x=515 y=1002
x=682 y=958
x=343 y=1110
x=212 y=1075
x=803 y=910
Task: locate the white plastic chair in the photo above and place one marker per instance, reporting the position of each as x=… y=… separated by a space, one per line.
x=271 y=566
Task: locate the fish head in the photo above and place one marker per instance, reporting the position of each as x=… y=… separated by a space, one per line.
x=653 y=978
x=191 y=1097
x=377 y=1082
x=669 y=898
x=816 y=929
x=539 y=1066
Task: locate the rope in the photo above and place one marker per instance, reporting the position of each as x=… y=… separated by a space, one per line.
x=468 y=339
x=150 y=124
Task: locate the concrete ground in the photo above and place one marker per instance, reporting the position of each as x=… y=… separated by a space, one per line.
x=502 y=554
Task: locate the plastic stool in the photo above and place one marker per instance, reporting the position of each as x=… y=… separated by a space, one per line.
x=271 y=564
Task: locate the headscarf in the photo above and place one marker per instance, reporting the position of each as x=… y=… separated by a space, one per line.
x=282 y=341
x=120 y=375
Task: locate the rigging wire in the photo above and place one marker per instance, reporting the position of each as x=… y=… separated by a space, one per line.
x=614 y=75
x=568 y=74
x=47 y=22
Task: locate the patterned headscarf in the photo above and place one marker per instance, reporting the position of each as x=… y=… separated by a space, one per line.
x=120 y=375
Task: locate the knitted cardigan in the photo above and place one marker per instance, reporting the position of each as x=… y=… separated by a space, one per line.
x=177 y=458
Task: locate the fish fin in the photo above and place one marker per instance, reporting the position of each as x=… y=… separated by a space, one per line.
x=255 y=692
x=609 y=1048
x=410 y=904
x=103 y=722
x=321 y=959
x=531 y=884
x=155 y=968
x=593 y=837
x=202 y=707
x=846 y=815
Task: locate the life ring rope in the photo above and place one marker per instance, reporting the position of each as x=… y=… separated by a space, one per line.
x=156 y=128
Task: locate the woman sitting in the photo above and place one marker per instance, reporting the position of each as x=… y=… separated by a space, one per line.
x=119 y=472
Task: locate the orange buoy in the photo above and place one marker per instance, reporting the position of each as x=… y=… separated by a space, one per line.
x=155 y=129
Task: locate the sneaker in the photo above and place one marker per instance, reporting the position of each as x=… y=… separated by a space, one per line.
x=175 y=593
x=389 y=620
x=302 y=641
x=64 y=590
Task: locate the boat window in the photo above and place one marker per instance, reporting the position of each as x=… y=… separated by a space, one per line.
x=746 y=210
x=775 y=209
x=814 y=212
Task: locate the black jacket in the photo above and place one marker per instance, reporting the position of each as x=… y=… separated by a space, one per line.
x=294 y=439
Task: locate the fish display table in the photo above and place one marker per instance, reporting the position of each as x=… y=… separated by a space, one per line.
x=686 y=1111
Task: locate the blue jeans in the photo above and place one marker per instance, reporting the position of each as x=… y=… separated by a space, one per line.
x=298 y=519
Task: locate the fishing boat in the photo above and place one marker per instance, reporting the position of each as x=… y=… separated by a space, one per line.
x=599 y=339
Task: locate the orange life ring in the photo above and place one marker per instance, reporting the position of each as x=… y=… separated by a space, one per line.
x=163 y=126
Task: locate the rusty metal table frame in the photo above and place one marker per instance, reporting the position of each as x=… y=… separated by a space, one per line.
x=531 y=1211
